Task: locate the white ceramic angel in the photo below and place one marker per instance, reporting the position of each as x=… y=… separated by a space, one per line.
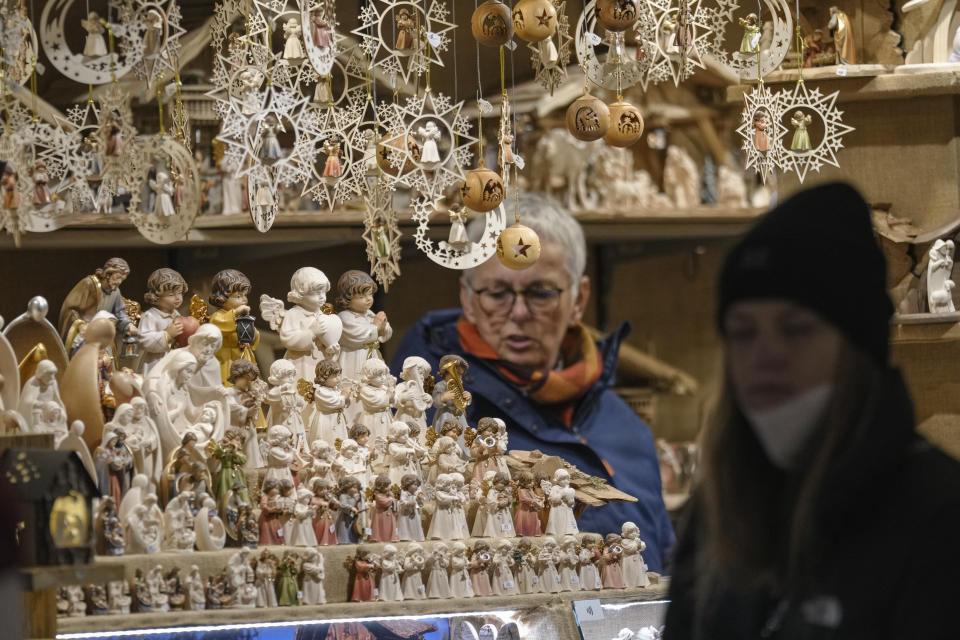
x=40 y=389
x=429 y=134
x=250 y=79
x=562 y=499
x=299 y=529
x=319 y=464
x=375 y=393
x=193 y=584
x=308 y=334
x=280 y=454
x=94 y=46
x=292 y=49
x=351 y=462
x=460 y=584
x=363 y=330
x=459 y=485
x=409 y=397
x=391 y=565
x=152 y=38
x=409 y=524
x=438 y=580
x=444 y=524
x=208 y=528
x=446 y=457
x=244 y=399
x=265 y=580
x=324 y=417
x=179 y=534
x=588 y=555
x=401 y=458
x=270 y=149
x=499 y=500
x=163 y=188
x=567 y=562
x=313 y=577
x=414 y=562
x=504 y=583
x=527 y=579
x=547 y=559
x=118 y=597
x=286 y=404
x=489 y=448
x=631 y=562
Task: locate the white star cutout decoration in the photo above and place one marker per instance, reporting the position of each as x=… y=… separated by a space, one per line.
x=807 y=102
x=762 y=109
x=604 y=73
x=329 y=191
x=669 y=62
x=719 y=13
x=154 y=32
x=442 y=253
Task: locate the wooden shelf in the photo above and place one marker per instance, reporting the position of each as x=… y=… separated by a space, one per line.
x=40 y=578
x=926 y=327
x=343 y=227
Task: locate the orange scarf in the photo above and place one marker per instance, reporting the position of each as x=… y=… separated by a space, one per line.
x=559 y=388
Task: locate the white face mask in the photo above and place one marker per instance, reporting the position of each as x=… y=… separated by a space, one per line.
x=785 y=430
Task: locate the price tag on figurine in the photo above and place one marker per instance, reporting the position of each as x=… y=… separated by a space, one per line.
x=556 y=578
x=506 y=527
x=511 y=45
x=536 y=580
x=333 y=528
x=574 y=580
x=841 y=70
x=421 y=589
x=434 y=39
x=300 y=595
x=508 y=584
x=587 y=610
x=376 y=593
x=367 y=531
x=593 y=38
x=280 y=532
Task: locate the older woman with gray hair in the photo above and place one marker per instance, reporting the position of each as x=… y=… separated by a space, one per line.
x=535 y=366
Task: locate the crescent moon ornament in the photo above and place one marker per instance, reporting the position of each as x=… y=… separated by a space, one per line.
x=176 y=187
x=473 y=254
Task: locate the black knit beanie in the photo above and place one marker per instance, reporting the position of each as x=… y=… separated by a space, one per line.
x=817 y=249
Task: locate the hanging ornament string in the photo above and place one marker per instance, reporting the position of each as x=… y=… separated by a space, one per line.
x=799 y=47
x=759 y=30
x=110 y=45
x=163 y=130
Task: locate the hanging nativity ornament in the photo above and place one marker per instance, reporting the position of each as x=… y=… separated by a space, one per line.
x=602 y=69
x=99 y=61
x=679 y=35
x=382 y=235
x=155 y=31
x=739 y=30
x=164 y=209
x=442 y=143
x=19 y=42
x=390 y=33
x=458 y=251
x=762 y=130
x=817 y=130
x=550 y=56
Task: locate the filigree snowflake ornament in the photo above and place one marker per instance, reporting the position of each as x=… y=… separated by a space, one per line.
x=18 y=39
x=720 y=13
x=337 y=174
x=382 y=235
x=155 y=30
x=606 y=73
x=799 y=109
x=762 y=130
x=166 y=206
x=95 y=64
x=679 y=38
x=117 y=138
x=443 y=252
x=551 y=75
x=444 y=142
x=16 y=189
x=320 y=37
x=390 y=35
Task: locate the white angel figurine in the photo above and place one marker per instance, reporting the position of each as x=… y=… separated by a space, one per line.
x=313 y=577
x=179 y=533
x=429 y=134
x=547 y=559
x=409 y=397
x=363 y=330
x=152 y=38
x=324 y=417
x=567 y=563
x=300 y=531
x=446 y=457
x=401 y=458
x=40 y=389
x=631 y=562
x=209 y=531
x=499 y=500
x=319 y=464
x=504 y=582
x=438 y=580
x=444 y=525
x=265 y=580
x=286 y=404
x=94 y=46
x=352 y=462
x=375 y=393
x=308 y=334
x=196 y=593
x=409 y=523
x=459 y=485
x=270 y=148
x=292 y=50
x=391 y=564
x=163 y=188
x=250 y=79
x=460 y=584
x=280 y=455
x=562 y=498
x=588 y=555
x=414 y=562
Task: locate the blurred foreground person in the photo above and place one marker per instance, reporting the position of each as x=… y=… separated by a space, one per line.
x=819 y=513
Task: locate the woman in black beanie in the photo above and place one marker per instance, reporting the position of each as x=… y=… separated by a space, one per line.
x=819 y=513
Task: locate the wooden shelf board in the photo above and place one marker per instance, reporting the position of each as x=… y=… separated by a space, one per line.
x=926 y=327
x=39 y=578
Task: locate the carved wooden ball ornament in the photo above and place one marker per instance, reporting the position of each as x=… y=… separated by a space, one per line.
x=391 y=143
x=617 y=15
x=534 y=20
x=626 y=125
x=518 y=247
x=482 y=190
x=492 y=24
x=588 y=117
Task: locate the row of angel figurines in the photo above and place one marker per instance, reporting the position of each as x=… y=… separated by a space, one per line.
x=412 y=571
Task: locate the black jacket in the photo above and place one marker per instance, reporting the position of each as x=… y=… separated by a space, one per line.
x=890 y=570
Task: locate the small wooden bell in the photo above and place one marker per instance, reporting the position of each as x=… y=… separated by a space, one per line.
x=518 y=247
x=626 y=125
x=616 y=15
x=483 y=189
x=491 y=24
x=588 y=117
x=534 y=20
x=396 y=142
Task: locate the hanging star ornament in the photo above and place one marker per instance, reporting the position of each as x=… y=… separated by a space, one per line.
x=334 y=180
x=390 y=36
x=154 y=31
x=602 y=68
x=446 y=254
x=551 y=74
x=117 y=141
x=680 y=33
x=382 y=235
x=762 y=130
x=800 y=108
x=720 y=14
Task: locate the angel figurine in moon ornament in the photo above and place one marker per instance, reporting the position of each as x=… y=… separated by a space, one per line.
x=163 y=189
x=94 y=45
x=292 y=50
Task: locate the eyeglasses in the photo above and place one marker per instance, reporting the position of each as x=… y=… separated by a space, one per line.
x=539 y=298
